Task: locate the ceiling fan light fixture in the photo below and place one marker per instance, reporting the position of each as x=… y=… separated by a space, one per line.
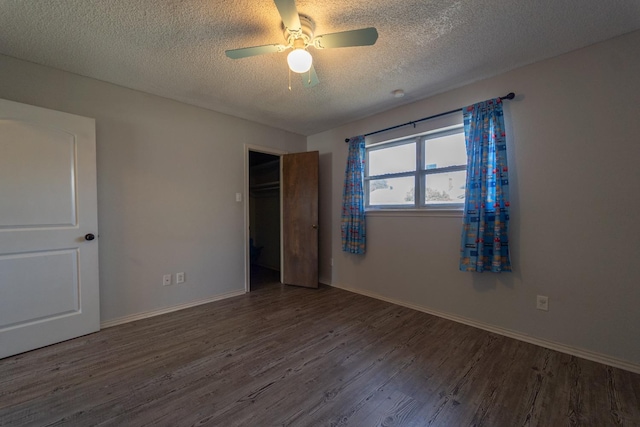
x=299 y=32
x=299 y=60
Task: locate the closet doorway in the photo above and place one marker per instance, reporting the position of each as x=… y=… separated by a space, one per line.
x=264 y=218
x=281 y=218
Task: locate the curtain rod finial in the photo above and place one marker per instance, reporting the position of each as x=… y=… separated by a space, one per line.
x=510 y=95
x=346 y=140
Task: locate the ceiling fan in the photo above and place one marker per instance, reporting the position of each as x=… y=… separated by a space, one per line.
x=298 y=32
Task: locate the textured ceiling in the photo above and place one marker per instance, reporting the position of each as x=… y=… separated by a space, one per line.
x=175 y=48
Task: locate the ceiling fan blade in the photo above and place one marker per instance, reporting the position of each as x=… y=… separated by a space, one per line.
x=310 y=79
x=253 y=51
x=289 y=14
x=361 y=37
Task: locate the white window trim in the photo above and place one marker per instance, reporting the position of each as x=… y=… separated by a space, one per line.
x=405 y=212
x=419 y=208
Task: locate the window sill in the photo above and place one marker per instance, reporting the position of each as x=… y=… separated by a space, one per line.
x=445 y=213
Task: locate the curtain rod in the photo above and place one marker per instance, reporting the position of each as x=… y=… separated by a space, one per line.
x=510 y=95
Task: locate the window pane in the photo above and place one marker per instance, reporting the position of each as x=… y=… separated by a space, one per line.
x=399 y=158
x=393 y=191
x=445 y=188
x=445 y=151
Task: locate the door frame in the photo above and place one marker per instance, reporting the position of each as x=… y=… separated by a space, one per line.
x=247 y=249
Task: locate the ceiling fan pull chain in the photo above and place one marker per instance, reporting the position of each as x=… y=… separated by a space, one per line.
x=289 y=79
x=309 y=82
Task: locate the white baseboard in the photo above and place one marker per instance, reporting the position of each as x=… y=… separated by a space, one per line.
x=152 y=313
x=562 y=348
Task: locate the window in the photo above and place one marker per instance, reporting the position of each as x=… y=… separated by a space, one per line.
x=423 y=172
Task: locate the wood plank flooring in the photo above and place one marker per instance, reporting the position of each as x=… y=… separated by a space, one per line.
x=308 y=357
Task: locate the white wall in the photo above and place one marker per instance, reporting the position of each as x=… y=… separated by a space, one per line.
x=574 y=148
x=167 y=178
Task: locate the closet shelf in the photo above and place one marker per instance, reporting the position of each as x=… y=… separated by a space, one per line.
x=265 y=187
x=275 y=184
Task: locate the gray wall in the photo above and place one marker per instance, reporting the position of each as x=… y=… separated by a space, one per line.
x=574 y=147
x=167 y=178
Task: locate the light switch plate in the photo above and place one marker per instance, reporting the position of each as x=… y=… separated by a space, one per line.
x=542 y=303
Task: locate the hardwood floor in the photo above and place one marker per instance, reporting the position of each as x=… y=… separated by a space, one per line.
x=309 y=357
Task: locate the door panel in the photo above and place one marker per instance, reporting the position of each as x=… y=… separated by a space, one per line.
x=41 y=186
x=48 y=271
x=300 y=218
x=28 y=299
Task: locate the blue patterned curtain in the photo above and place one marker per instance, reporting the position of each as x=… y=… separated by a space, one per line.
x=353 y=217
x=485 y=245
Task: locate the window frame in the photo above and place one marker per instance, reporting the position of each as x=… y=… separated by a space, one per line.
x=419 y=173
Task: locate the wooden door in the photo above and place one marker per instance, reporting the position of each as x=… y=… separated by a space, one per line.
x=48 y=215
x=300 y=219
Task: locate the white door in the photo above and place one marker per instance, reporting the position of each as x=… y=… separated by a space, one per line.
x=48 y=268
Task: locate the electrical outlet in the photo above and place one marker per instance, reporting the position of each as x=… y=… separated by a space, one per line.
x=180 y=277
x=166 y=280
x=542 y=303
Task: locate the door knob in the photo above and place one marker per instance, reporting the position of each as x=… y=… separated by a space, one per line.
x=315 y=227
x=89 y=236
